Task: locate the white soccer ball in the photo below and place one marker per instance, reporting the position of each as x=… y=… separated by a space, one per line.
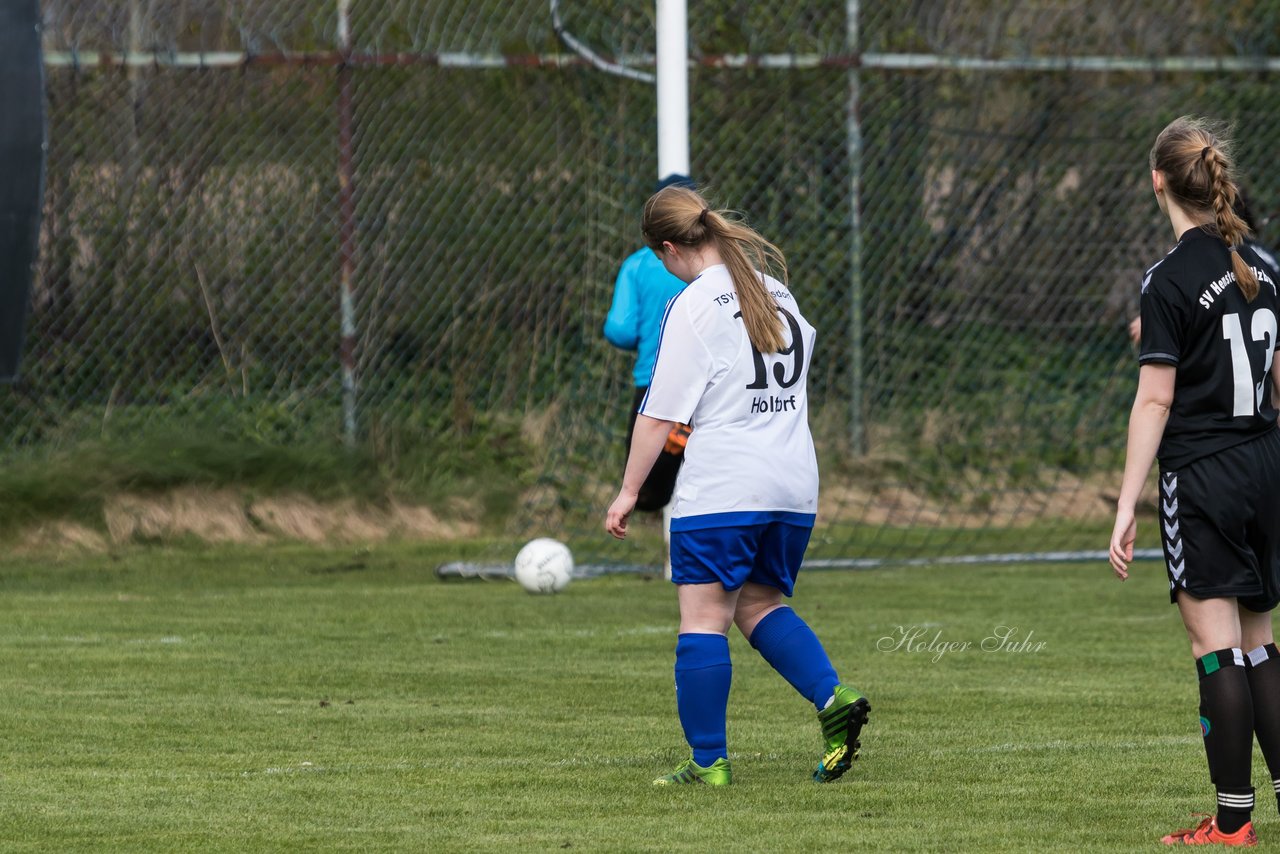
x=544 y=565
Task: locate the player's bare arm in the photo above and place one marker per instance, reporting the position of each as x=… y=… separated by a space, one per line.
x=646 y=443
x=1147 y=419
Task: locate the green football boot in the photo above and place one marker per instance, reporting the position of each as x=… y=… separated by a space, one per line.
x=841 y=722
x=688 y=771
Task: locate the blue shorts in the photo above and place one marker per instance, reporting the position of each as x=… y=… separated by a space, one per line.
x=769 y=553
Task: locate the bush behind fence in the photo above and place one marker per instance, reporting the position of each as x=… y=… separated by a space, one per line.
x=191 y=247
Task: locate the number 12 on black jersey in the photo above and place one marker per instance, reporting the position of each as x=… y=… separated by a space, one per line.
x=1248 y=395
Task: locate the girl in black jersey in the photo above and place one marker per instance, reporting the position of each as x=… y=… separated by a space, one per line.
x=1206 y=407
x=1245 y=211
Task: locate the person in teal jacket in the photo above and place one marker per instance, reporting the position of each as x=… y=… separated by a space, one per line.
x=640 y=296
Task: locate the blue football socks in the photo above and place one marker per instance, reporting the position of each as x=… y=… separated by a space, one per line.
x=792 y=649
x=703 y=674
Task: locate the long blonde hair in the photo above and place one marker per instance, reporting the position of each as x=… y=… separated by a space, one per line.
x=1195 y=158
x=681 y=216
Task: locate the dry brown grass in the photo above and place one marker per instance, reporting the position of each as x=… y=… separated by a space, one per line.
x=231 y=516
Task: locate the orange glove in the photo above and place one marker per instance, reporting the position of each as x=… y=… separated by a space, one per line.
x=677 y=439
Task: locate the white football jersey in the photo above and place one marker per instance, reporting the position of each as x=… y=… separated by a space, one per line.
x=750 y=458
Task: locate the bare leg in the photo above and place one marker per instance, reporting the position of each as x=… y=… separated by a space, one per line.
x=706 y=608
x=1255 y=629
x=755 y=602
x=1211 y=623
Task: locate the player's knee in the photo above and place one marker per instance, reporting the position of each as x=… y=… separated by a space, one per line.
x=750 y=611
x=705 y=623
x=1255 y=628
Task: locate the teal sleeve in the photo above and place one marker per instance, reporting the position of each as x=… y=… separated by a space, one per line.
x=621 y=326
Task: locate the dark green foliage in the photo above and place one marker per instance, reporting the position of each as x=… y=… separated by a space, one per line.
x=190 y=261
x=264 y=449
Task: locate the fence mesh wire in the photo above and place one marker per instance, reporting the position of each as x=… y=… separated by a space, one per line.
x=191 y=270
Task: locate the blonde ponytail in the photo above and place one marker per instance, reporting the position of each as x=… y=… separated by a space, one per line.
x=1232 y=228
x=681 y=216
x=1195 y=160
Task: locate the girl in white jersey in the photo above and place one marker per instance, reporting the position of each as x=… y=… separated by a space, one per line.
x=733 y=362
x=1206 y=407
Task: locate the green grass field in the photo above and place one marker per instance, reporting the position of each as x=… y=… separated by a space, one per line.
x=303 y=699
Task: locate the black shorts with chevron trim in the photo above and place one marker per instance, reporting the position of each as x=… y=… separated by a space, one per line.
x=1220 y=525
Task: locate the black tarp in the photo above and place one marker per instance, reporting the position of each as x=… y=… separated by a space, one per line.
x=22 y=133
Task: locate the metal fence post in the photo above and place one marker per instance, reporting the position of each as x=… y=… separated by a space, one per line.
x=346 y=223
x=853 y=142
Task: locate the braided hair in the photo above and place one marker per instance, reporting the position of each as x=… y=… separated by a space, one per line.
x=1195 y=158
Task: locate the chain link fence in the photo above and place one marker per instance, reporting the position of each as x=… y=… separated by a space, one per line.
x=973 y=378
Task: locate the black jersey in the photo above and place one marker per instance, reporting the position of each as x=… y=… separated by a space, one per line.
x=1195 y=317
